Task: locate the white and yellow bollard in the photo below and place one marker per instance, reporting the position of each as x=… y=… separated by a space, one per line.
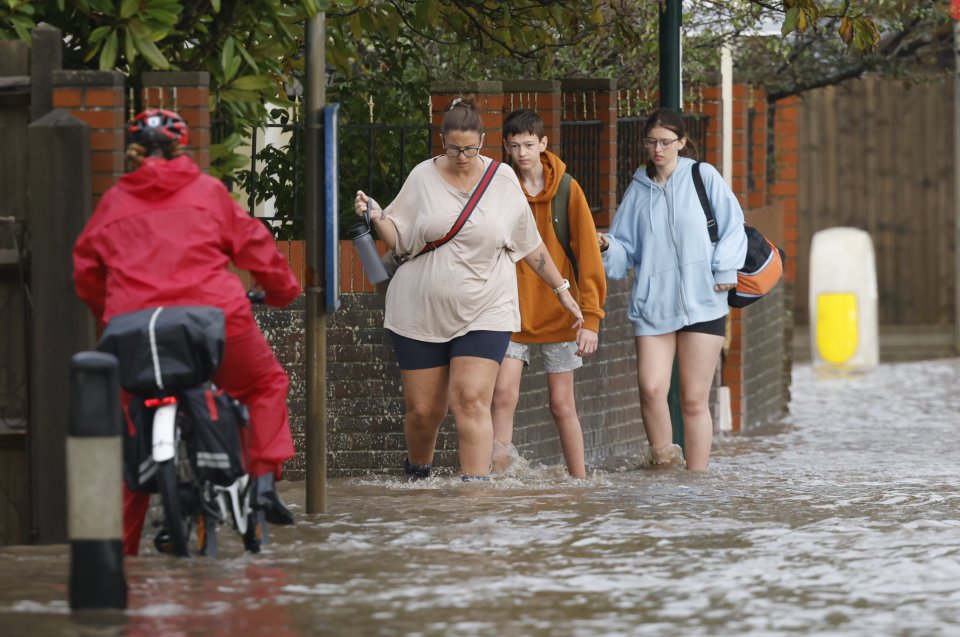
x=94 y=479
x=843 y=301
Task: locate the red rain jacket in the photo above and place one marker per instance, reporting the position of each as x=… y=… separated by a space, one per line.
x=164 y=235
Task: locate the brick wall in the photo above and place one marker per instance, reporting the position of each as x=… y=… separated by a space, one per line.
x=764 y=322
x=96 y=97
x=365 y=404
x=489 y=100
x=606 y=393
x=365 y=398
x=543 y=96
x=188 y=93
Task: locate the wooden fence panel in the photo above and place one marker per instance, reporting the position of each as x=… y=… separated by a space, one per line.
x=878 y=155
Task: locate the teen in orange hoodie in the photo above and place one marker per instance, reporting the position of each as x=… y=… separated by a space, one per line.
x=540 y=173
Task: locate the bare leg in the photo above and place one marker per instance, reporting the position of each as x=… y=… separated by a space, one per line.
x=425 y=399
x=564 y=410
x=654 y=368
x=506 y=395
x=698 y=354
x=472 y=380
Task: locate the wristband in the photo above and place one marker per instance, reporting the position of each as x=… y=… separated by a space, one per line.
x=560 y=288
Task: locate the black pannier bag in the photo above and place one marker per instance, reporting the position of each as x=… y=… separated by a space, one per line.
x=139 y=469
x=166 y=349
x=211 y=428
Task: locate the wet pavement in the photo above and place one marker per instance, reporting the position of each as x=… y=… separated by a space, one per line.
x=842 y=520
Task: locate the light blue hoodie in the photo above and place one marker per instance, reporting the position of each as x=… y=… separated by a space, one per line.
x=661 y=234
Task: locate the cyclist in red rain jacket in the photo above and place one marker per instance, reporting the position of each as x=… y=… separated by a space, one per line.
x=165 y=234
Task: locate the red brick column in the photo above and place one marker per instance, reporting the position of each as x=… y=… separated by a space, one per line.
x=741 y=140
x=712 y=107
x=785 y=188
x=757 y=139
x=733 y=363
x=489 y=99
x=188 y=93
x=96 y=97
x=542 y=96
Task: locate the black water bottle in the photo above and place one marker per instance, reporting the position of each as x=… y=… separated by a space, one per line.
x=359 y=233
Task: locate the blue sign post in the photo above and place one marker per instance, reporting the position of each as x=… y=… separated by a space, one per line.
x=331 y=181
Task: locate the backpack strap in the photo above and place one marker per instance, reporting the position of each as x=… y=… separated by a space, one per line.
x=467 y=209
x=561 y=222
x=705 y=203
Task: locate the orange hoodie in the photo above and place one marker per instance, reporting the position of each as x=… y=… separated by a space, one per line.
x=542 y=318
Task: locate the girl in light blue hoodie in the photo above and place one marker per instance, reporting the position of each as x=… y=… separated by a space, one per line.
x=679 y=301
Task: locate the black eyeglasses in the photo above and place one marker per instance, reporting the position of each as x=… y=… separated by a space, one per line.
x=651 y=142
x=454 y=151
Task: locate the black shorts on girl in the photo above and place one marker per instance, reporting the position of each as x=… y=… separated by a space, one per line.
x=414 y=354
x=717 y=327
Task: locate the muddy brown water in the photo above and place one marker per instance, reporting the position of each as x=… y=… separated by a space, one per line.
x=842 y=520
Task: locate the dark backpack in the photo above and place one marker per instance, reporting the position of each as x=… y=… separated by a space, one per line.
x=561 y=223
x=763 y=267
x=210 y=422
x=213 y=434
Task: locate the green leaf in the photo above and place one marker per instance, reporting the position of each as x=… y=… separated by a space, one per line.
x=108 y=57
x=129 y=8
x=355 y=27
x=99 y=33
x=216 y=5
x=150 y=52
x=251 y=83
x=22 y=25
x=231 y=69
x=790 y=22
x=226 y=54
x=249 y=59
x=129 y=50
x=239 y=95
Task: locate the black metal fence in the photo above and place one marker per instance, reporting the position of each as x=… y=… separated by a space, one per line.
x=580 y=151
x=377 y=158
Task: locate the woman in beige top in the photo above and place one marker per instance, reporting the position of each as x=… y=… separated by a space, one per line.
x=450 y=312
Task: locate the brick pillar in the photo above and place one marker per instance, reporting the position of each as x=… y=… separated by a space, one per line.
x=542 y=96
x=733 y=373
x=188 y=93
x=597 y=99
x=712 y=107
x=489 y=99
x=96 y=97
x=757 y=136
x=741 y=140
x=785 y=188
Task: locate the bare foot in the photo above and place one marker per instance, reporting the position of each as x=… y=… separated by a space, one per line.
x=504 y=455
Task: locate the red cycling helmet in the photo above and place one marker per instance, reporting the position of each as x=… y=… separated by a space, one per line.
x=157 y=127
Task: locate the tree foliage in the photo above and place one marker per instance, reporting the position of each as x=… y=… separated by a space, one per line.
x=248 y=46
x=385 y=53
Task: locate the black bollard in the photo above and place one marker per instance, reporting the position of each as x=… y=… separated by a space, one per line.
x=94 y=478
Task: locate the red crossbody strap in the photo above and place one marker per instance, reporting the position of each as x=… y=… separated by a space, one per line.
x=467 y=210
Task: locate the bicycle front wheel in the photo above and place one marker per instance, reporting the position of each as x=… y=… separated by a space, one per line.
x=172 y=511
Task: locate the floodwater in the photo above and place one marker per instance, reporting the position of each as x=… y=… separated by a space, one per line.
x=842 y=520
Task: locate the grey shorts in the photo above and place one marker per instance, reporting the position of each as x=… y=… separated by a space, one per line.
x=557 y=357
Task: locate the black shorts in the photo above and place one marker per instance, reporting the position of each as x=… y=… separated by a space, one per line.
x=717 y=327
x=414 y=354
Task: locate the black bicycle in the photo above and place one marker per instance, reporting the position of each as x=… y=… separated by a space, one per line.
x=183 y=434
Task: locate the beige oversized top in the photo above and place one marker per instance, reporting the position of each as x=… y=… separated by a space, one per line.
x=470 y=282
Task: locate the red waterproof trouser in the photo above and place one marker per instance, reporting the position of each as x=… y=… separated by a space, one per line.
x=251 y=374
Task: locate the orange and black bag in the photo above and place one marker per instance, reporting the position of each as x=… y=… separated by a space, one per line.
x=763 y=267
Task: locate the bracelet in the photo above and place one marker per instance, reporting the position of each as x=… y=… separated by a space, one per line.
x=560 y=288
